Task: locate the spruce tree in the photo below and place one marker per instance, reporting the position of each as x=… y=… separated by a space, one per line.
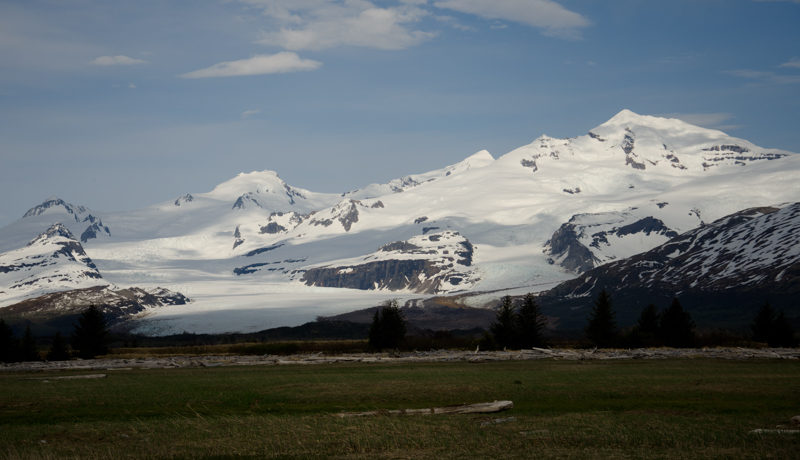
x=504 y=329
x=677 y=327
x=649 y=320
x=785 y=335
x=388 y=327
x=645 y=332
x=602 y=328
x=763 y=325
x=91 y=336
x=58 y=349
x=28 y=349
x=9 y=344
x=531 y=323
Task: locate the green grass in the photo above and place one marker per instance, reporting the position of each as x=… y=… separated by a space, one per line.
x=634 y=409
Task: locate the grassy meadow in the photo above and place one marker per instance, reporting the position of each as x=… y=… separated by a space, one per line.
x=563 y=409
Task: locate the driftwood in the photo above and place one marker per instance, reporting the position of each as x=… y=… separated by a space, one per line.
x=760 y=431
x=499 y=420
x=435 y=356
x=69 y=377
x=481 y=408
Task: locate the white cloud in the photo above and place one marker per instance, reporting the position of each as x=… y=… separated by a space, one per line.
x=131 y=86
x=353 y=23
x=116 y=60
x=552 y=18
x=282 y=62
x=706 y=120
x=793 y=62
x=249 y=113
x=453 y=22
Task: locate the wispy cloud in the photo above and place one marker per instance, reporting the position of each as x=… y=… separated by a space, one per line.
x=116 y=60
x=553 y=19
x=371 y=27
x=249 y=113
x=453 y=22
x=282 y=62
x=706 y=120
x=793 y=62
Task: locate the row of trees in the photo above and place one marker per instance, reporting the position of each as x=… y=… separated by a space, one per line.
x=773 y=328
x=89 y=338
x=516 y=327
x=674 y=327
x=671 y=327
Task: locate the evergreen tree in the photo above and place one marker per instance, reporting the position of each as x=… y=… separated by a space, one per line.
x=531 y=323
x=645 y=332
x=91 y=335
x=9 y=345
x=388 y=327
x=677 y=327
x=785 y=335
x=602 y=328
x=28 y=349
x=649 y=320
x=763 y=324
x=58 y=349
x=504 y=329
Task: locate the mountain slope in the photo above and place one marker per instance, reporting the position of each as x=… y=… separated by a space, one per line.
x=741 y=260
x=537 y=216
x=53 y=261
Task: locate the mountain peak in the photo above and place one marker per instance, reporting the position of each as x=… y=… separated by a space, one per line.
x=56 y=202
x=56 y=230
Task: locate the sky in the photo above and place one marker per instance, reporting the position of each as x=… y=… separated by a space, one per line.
x=123 y=104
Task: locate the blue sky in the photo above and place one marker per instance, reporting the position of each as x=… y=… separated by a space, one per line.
x=119 y=105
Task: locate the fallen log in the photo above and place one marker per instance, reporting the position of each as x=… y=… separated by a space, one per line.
x=481 y=408
x=69 y=377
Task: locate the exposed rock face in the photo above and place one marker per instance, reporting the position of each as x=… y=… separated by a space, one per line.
x=54 y=202
x=292 y=193
x=529 y=164
x=96 y=227
x=345 y=212
x=568 y=250
x=433 y=264
x=736 y=154
x=258 y=251
x=273 y=228
x=188 y=198
x=243 y=201
x=740 y=258
x=578 y=245
x=116 y=304
x=282 y=222
x=238 y=238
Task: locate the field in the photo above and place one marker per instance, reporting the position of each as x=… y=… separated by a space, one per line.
x=563 y=409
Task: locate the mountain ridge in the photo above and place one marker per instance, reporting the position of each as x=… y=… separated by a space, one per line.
x=627 y=186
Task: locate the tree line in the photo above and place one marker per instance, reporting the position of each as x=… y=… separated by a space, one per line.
x=674 y=327
x=524 y=326
x=89 y=338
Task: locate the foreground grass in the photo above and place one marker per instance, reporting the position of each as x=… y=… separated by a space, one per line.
x=652 y=409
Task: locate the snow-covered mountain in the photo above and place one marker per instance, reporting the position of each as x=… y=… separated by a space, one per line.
x=53 y=261
x=257 y=252
x=739 y=261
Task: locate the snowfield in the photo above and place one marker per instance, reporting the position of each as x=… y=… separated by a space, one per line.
x=241 y=252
